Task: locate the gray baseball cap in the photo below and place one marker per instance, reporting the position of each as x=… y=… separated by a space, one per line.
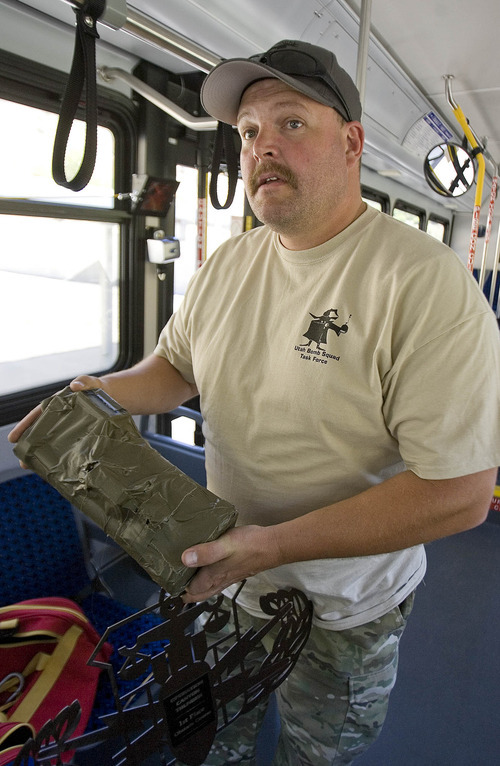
x=308 y=68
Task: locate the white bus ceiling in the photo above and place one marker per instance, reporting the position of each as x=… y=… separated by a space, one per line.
x=411 y=47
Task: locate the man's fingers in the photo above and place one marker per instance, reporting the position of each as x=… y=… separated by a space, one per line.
x=207 y=582
x=23 y=424
x=80 y=383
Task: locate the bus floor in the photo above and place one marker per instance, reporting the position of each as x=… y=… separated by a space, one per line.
x=445 y=705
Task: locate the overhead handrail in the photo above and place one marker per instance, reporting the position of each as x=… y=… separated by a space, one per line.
x=169 y=40
x=170 y=107
x=119 y=16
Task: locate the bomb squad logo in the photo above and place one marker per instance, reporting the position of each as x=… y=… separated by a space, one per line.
x=317 y=348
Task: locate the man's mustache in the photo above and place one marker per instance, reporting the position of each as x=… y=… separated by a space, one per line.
x=273 y=169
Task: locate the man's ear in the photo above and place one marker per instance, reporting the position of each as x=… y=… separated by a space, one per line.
x=355 y=139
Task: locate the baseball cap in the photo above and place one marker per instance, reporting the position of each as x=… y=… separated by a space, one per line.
x=308 y=68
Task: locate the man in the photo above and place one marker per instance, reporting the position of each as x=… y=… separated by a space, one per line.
x=341 y=460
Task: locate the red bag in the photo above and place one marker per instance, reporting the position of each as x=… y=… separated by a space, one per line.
x=45 y=644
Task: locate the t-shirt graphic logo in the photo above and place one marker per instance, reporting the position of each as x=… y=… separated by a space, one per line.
x=318 y=328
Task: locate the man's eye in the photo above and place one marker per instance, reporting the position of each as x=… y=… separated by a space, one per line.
x=294 y=124
x=248 y=133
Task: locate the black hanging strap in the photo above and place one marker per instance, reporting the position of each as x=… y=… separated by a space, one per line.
x=224 y=148
x=83 y=72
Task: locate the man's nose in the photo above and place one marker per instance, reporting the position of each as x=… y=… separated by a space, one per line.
x=265 y=145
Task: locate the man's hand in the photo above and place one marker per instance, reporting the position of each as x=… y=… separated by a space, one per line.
x=239 y=553
x=81 y=383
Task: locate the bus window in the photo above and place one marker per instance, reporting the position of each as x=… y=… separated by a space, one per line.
x=58 y=268
x=62 y=291
x=221 y=224
x=408 y=214
x=26 y=167
x=437 y=228
x=185 y=229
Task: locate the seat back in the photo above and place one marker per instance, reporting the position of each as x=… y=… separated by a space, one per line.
x=41 y=555
x=40 y=550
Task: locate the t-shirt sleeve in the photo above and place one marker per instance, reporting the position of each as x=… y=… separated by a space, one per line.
x=442 y=402
x=175 y=339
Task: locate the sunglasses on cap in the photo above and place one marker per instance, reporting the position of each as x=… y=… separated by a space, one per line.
x=300 y=64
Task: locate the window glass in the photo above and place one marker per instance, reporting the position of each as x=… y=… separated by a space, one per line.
x=186 y=230
x=436 y=229
x=58 y=299
x=373 y=203
x=221 y=224
x=27 y=166
x=412 y=219
x=58 y=276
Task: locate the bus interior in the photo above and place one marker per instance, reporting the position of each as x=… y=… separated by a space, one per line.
x=89 y=277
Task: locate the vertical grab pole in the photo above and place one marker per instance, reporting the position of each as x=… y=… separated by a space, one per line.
x=201 y=219
x=202 y=206
x=480 y=172
x=482 y=274
x=363 y=42
x=494 y=274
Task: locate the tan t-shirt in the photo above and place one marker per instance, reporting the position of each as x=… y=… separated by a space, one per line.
x=323 y=372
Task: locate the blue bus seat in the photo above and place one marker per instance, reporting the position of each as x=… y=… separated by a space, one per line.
x=41 y=554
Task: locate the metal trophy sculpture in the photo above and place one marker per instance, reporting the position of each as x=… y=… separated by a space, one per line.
x=89 y=449
x=184 y=682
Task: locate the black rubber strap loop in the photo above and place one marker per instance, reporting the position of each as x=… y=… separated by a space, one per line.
x=224 y=148
x=83 y=72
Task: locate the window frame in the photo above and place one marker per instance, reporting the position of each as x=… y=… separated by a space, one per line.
x=407 y=207
x=444 y=222
x=377 y=196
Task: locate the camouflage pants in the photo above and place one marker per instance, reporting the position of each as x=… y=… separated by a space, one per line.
x=334 y=702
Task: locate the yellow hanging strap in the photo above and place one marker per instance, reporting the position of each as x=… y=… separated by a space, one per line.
x=51 y=668
x=481 y=169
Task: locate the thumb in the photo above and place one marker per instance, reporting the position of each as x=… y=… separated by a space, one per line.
x=85 y=383
x=204 y=554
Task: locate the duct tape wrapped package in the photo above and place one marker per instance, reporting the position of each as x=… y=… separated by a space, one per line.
x=88 y=447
